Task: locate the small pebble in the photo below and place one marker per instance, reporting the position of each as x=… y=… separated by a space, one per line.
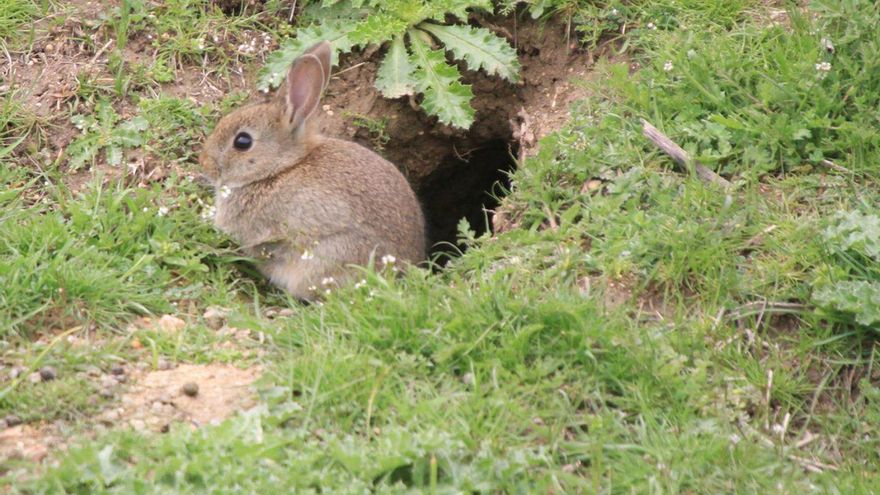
x=286 y=312
x=93 y=371
x=138 y=424
x=191 y=389
x=165 y=399
x=48 y=373
x=110 y=417
x=34 y=377
x=12 y=420
x=16 y=372
x=170 y=323
x=215 y=317
x=106 y=393
x=163 y=365
x=117 y=370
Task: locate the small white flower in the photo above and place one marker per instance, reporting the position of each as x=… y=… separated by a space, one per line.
x=734 y=438
x=163 y=210
x=360 y=284
x=312 y=288
x=307 y=255
x=225 y=191
x=668 y=66
x=823 y=67
x=146 y=209
x=388 y=259
x=652 y=26
x=614 y=12
x=209 y=212
x=327 y=281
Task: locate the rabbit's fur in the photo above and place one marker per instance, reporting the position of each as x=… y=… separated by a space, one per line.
x=307 y=205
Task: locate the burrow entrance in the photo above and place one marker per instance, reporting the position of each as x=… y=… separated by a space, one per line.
x=463 y=174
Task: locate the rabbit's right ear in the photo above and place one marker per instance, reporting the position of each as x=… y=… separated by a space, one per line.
x=305 y=82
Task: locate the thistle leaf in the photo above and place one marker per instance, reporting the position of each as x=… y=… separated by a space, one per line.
x=479 y=48
x=277 y=63
x=395 y=76
x=376 y=28
x=445 y=95
x=458 y=8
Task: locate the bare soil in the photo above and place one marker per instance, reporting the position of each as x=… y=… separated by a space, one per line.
x=153 y=401
x=158 y=399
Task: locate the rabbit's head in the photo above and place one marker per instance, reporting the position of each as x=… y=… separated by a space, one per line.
x=259 y=140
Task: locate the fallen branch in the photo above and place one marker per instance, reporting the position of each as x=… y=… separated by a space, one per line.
x=836 y=167
x=680 y=156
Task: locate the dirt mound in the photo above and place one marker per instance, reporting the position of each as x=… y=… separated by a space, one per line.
x=32 y=442
x=454 y=172
x=195 y=394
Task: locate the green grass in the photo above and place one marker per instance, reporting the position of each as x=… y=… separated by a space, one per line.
x=648 y=333
x=15 y=15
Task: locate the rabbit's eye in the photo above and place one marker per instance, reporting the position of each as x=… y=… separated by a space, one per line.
x=243 y=141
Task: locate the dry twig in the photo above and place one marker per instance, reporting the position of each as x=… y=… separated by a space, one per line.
x=680 y=156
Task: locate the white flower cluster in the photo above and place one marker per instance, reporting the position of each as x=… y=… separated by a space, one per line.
x=389 y=260
x=209 y=212
x=259 y=43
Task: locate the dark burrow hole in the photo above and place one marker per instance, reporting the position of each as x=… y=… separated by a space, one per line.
x=468 y=184
x=462 y=174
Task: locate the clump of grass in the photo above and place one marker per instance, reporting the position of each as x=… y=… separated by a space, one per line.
x=14 y=15
x=98 y=257
x=767 y=99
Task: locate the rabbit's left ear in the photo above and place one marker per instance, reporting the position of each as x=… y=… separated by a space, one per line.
x=304 y=85
x=323 y=51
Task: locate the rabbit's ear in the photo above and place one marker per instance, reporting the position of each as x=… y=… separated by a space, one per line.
x=323 y=50
x=305 y=83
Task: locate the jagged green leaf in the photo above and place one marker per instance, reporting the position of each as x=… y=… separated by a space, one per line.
x=395 y=76
x=445 y=95
x=377 y=28
x=479 y=48
x=458 y=8
x=277 y=63
x=859 y=298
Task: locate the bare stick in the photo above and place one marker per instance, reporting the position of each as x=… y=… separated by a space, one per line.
x=680 y=156
x=836 y=167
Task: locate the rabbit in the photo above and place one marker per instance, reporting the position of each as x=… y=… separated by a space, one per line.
x=308 y=207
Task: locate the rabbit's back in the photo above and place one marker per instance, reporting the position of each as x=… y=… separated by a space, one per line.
x=373 y=195
x=340 y=192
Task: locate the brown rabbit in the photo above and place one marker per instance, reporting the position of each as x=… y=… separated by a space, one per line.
x=309 y=206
